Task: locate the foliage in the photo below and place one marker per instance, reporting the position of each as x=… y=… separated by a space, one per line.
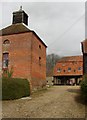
x=84 y=87
x=51 y=61
x=8 y=73
x=14 y=88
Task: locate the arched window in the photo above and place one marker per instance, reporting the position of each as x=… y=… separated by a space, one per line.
x=6 y=42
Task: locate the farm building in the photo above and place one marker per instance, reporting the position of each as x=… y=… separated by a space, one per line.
x=24 y=51
x=84 y=50
x=68 y=70
x=0 y=59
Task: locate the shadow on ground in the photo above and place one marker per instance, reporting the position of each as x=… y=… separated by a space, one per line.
x=74 y=90
x=78 y=97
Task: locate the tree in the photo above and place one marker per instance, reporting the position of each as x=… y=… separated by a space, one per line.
x=51 y=61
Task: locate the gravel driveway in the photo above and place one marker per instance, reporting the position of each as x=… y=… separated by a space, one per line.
x=56 y=102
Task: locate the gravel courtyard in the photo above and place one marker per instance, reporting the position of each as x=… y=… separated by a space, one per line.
x=56 y=102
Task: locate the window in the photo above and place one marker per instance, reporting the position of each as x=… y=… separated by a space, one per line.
x=6 y=42
x=58 y=70
x=39 y=46
x=79 y=68
x=5 y=60
x=74 y=70
x=39 y=60
x=69 y=69
x=64 y=70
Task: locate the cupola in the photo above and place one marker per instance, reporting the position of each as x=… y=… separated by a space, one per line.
x=20 y=17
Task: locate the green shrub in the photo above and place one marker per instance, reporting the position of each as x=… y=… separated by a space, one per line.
x=84 y=88
x=8 y=73
x=14 y=88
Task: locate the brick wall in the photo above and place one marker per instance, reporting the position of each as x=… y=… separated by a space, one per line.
x=84 y=50
x=0 y=56
x=38 y=73
x=19 y=54
x=25 y=49
x=74 y=65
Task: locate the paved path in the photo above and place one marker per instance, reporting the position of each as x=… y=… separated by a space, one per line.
x=56 y=102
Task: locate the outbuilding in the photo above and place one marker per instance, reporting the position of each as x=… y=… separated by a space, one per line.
x=24 y=51
x=68 y=70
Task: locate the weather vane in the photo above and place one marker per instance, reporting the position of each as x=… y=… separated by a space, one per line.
x=20 y=8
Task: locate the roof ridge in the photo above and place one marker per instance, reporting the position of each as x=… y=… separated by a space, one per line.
x=74 y=56
x=71 y=58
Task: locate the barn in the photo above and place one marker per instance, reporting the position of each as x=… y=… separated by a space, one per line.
x=68 y=70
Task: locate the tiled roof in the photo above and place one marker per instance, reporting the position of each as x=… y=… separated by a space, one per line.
x=71 y=58
x=16 y=29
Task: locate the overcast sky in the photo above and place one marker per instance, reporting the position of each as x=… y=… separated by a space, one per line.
x=61 y=25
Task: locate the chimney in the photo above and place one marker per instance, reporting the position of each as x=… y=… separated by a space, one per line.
x=20 y=17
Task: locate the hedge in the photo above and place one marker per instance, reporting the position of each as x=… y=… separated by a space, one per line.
x=84 y=88
x=15 y=88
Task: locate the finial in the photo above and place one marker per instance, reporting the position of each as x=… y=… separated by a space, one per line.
x=20 y=8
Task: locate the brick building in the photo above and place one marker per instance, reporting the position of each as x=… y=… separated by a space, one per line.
x=84 y=50
x=68 y=70
x=23 y=50
x=0 y=59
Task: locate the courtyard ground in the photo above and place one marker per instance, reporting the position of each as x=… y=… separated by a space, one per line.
x=56 y=102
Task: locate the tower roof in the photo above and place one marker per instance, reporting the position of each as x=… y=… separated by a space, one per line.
x=17 y=29
x=14 y=29
x=20 y=17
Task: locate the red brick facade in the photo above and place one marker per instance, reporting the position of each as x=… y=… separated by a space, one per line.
x=74 y=62
x=84 y=50
x=84 y=46
x=69 y=67
x=26 y=54
x=38 y=70
x=0 y=57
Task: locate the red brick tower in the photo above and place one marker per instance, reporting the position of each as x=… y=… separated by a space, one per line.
x=24 y=51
